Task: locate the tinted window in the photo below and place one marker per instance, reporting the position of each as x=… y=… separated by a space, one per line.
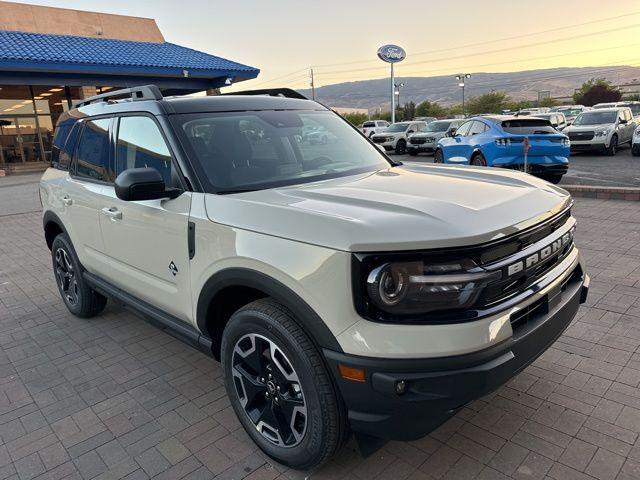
x=477 y=128
x=59 y=139
x=264 y=149
x=368 y=125
x=92 y=155
x=65 y=153
x=141 y=144
x=528 y=126
x=635 y=108
x=463 y=131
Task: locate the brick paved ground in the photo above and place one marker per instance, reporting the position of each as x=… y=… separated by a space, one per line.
x=112 y=397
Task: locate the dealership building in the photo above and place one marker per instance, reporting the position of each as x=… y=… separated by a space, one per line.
x=51 y=57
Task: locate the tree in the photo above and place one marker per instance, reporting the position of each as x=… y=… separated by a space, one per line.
x=596 y=90
x=634 y=97
x=356 y=118
x=430 y=109
x=408 y=111
x=492 y=102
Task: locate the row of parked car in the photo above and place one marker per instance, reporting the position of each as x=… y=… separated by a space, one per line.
x=501 y=140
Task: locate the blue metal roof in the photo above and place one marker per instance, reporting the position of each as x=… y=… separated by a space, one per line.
x=66 y=53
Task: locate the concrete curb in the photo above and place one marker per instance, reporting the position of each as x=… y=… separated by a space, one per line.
x=631 y=194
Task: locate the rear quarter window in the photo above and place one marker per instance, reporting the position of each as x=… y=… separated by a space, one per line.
x=527 y=126
x=64 y=141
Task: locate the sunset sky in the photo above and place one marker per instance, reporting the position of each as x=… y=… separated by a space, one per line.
x=340 y=38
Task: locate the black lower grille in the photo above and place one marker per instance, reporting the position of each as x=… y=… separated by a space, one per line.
x=417 y=141
x=580 y=135
x=379 y=139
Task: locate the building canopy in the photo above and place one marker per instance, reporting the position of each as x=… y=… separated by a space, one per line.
x=48 y=59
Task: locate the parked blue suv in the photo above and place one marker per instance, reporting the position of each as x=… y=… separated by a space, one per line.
x=498 y=141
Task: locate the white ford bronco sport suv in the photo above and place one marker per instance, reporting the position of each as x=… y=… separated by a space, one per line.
x=341 y=292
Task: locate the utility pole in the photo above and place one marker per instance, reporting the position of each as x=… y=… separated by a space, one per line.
x=313 y=86
x=461 y=77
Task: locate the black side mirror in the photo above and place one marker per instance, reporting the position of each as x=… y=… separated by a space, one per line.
x=409 y=131
x=143 y=184
x=623 y=121
x=451 y=132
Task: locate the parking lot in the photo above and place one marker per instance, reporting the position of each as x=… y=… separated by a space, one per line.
x=113 y=397
x=623 y=170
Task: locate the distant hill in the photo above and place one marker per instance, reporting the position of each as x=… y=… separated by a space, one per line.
x=444 y=89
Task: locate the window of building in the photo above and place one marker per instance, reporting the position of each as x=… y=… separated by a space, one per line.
x=92 y=154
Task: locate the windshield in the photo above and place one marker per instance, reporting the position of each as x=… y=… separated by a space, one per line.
x=595 y=118
x=437 y=127
x=570 y=112
x=635 y=109
x=397 y=127
x=240 y=151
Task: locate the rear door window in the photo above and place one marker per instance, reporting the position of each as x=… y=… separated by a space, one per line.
x=368 y=125
x=93 y=152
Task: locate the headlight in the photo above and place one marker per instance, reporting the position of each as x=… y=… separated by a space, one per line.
x=566 y=142
x=601 y=133
x=418 y=287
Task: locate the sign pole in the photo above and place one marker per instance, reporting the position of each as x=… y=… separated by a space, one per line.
x=393 y=97
x=392 y=54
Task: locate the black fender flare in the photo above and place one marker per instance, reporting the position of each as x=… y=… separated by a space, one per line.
x=50 y=217
x=307 y=318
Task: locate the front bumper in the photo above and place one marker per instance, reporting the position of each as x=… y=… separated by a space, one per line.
x=436 y=388
x=597 y=144
x=422 y=147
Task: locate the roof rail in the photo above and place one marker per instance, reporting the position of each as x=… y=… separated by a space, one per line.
x=144 y=92
x=272 y=92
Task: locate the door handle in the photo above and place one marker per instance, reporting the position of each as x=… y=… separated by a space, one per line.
x=113 y=213
x=67 y=200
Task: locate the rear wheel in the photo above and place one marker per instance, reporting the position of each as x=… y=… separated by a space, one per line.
x=80 y=299
x=478 y=160
x=438 y=157
x=279 y=387
x=613 y=146
x=401 y=147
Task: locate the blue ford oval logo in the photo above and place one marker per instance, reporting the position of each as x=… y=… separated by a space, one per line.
x=391 y=53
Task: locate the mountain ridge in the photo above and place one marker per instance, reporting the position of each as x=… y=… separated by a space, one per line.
x=522 y=85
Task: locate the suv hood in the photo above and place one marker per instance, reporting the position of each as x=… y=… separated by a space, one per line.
x=588 y=128
x=406 y=208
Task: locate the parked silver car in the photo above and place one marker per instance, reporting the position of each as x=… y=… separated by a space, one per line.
x=427 y=140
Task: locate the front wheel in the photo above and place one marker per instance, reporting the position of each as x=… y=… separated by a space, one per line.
x=80 y=299
x=635 y=150
x=613 y=146
x=279 y=387
x=413 y=153
x=401 y=147
x=438 y=157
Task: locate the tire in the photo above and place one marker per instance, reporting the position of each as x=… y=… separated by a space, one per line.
x=612 y=149
x=304 y=438
x=80 y=299
x=438 y=156
x=635 y=150
x=552 y=178
x=401 y=147
x=413 y=153
x=478 y=160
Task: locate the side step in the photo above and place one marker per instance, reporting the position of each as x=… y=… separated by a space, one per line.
x=168 y=323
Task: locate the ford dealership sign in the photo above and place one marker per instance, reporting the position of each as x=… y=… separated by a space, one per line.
x=391 y=53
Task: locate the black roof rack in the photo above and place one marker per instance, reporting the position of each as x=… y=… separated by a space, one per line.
x=145 y=92
x=272 y=92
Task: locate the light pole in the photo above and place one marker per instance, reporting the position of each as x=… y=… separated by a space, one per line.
x=461 y=78
x=396 y=92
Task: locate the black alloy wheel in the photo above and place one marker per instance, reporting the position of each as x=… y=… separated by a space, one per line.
x=269 y=390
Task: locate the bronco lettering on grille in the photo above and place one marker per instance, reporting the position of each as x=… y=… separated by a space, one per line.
x=541 y=254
